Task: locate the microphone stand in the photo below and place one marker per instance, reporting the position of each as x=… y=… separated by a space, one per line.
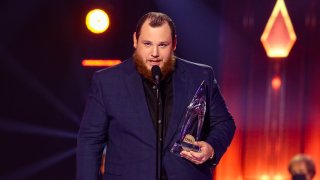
x=159 y=129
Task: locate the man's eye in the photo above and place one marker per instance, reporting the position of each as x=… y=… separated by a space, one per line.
x=147 y=44
x=163 y=45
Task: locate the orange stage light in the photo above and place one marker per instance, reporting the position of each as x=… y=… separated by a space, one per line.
x=276 y=83
x=97 y=21
x=278 y=36
x=100 y=62
x=264 y=177
x=278 y=177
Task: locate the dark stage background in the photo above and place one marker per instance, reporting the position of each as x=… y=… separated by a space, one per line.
x=44 y=86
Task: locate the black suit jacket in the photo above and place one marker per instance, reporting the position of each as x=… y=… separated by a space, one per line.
x=117 y=114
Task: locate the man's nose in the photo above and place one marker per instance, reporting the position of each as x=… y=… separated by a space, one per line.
x=155 y=51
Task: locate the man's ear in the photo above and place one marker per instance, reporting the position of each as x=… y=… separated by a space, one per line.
x=135 y=41
x=175 y=43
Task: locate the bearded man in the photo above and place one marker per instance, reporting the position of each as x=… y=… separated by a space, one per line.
x=121 y=112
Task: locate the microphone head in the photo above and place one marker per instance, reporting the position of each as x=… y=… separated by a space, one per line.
x=156 y=72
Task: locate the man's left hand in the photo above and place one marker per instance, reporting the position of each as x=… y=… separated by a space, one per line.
x=199 y=157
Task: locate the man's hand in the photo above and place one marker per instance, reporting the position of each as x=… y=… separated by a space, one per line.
x=199 y=157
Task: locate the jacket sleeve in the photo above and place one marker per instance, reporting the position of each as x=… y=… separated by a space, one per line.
x=221 y=126
x=92 y=134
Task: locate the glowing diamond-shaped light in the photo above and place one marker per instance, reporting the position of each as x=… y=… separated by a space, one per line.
x=278 y=36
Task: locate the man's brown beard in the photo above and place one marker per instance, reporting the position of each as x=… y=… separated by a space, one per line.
x=166 y=70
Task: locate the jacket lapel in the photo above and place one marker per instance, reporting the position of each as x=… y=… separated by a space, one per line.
x=138 y=99
x=180 y=97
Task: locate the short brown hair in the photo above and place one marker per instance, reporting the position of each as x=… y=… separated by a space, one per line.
x=156 y=19
x=307 y=160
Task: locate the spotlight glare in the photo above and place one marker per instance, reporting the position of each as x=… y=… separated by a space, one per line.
x=32 y=169
x=278 y=177
x=264 y=177
x=100 y=62
x=276 y=83
x=97 y=21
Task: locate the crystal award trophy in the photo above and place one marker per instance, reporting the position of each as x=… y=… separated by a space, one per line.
x=193 y=121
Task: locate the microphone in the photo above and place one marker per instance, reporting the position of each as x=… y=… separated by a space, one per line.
x=156 y=73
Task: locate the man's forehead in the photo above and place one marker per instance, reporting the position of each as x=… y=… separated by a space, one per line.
x=160 y=34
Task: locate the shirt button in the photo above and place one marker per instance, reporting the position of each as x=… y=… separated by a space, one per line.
x=154 y=87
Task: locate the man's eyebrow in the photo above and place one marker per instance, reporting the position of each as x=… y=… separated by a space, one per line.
x=161 y=42
x=146 y=41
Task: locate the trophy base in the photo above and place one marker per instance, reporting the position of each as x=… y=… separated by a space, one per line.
x=180 y=146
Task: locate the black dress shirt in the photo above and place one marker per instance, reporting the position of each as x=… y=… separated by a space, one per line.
x=165 y=98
